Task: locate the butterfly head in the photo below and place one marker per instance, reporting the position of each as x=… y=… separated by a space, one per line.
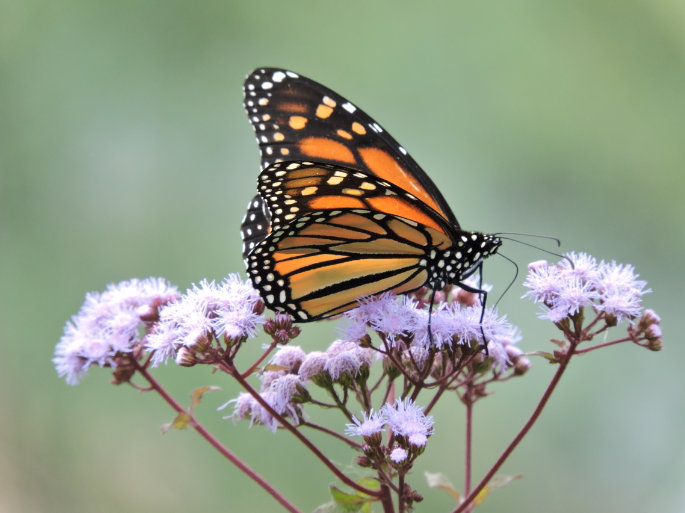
x=453 y=264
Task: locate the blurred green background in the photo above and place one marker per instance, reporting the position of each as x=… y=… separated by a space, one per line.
x=125 y=152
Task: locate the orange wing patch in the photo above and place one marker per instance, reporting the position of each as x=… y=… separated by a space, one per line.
x=357 y=221
x=306 y=172
x=335 y=202
x=293 y=107
x=399 y=207
x=306 y=282
x=386 y=167
x=288 y=266
x=297 y=122
x=407 y=232
x=333 y=232
x=338 y=300
x=293 y=253
x=322 y=148
x=379 y=247
x=298 y=242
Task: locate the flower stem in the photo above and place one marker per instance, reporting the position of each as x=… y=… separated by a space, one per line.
x=534 y=417
x=215 y=443
x=249 y=371
x=469 y=445
x=287 y=425
x=605 y=344
x=323 y=429
x=386 y=499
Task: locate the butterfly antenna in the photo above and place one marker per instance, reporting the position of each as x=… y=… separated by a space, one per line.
x=530 y=235
x=516 y=274
x=564 y=257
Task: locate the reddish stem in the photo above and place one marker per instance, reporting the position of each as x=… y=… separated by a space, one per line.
x=215 y=443
x=521 y=434
x=323 y=429
x=249 y=371
x=287 y=425
x=469 y=444
x=605 y=344
x=386 y=499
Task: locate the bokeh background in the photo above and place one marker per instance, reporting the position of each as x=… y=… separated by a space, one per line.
x=125 y=152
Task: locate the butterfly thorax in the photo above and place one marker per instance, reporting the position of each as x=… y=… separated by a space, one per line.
x=450 y=265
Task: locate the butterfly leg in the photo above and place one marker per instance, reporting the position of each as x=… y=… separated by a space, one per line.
x=483 y=295
x=430 y=316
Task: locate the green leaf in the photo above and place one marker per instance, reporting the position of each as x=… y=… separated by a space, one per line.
x=544 y=354
x=272 y=367
x=329 y=507
x=196 y=395
x=366 y=507
x=368 y=482
x=440 y=480
x=495 y=482
x=345 y=498
x=180 y=422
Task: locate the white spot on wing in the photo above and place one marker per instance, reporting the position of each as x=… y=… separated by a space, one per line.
x=349 y=107
x=267 y=85
x=278 y=76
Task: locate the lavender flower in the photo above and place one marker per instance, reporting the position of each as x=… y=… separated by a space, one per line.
x=229 y=310
x=285 y=389
x=407 y=419
x=108 y=324
x=564 y=289
x=398 y=455
x=370 y=428
x=395 y=317
x=620 y=291
x=313 y=365
x=290 y=357
x=347 y=359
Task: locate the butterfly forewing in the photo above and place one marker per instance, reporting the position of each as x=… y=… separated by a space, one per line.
x=296 y=118
x=291 y=189
x=320 y=264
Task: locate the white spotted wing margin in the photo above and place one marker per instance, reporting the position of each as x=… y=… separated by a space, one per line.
x=320 y=264
x=255 y=225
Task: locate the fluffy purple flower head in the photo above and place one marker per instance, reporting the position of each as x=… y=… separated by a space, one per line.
x=564 y=289
x=284 y=389
x=107 y=324
x=620 y=292
x=389 y=314
x=405 y=418
x=372 y=424
x=573 y=293
x=226 y=310
x=398 y=455
x=313 y=364
x=347 y=358
x=244 y=404
x=290 y=357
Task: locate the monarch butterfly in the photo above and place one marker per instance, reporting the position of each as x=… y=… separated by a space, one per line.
x=342 y=210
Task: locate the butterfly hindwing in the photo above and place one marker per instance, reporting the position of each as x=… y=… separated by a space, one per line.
x=296 y=118
x=319 y=264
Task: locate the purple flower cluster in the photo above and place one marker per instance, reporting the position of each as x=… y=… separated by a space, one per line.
x=228 y=310
x=401 y=322
x=564 y=288
x=108 y=324
x=284 y=385
x=404 y=418
x=280 y=388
